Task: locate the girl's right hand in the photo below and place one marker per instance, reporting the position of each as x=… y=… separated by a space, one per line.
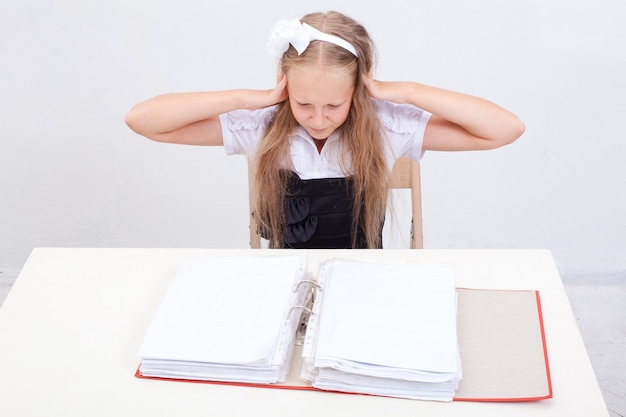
x=257 y=99
x=279 y=93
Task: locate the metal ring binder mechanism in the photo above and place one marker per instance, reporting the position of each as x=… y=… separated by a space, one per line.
x=308 y=310
x=306 y=307
x=309 y=281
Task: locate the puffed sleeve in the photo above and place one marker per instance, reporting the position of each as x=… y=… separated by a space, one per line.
x=404 y=126
x=243 y=129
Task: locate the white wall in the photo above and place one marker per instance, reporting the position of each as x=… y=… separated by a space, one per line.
x=72 y=174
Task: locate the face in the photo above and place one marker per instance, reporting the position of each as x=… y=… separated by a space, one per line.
x=320 y=98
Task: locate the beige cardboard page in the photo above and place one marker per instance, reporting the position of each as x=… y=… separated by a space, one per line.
x=502 y=346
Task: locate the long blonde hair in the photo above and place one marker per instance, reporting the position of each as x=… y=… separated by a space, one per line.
x=361 y=137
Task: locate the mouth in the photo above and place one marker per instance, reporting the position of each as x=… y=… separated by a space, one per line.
x=318 y=132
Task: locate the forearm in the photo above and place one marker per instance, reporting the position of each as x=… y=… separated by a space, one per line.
x=480 y=118
x=170 y=112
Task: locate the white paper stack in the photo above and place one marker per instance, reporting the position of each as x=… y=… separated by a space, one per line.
x=384 y=329
x=227 y=319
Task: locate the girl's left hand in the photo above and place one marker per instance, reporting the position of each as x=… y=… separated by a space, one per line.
x=372 y=86
x=383 y=90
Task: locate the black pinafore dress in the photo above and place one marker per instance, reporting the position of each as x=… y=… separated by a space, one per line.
x=319 y=214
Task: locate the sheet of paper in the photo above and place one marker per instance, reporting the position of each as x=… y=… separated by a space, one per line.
x=390 y=315
x=223 y=310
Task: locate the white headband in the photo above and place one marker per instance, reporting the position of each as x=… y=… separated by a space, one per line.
x=299 y=35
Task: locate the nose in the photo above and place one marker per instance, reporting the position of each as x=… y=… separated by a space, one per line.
x=317 y=118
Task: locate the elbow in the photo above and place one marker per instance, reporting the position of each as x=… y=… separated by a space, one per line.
x=138 y=119
x=133 y=119
x=517 y=130
x=513 y=131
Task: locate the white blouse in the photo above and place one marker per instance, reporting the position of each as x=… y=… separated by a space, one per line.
x=403 y=126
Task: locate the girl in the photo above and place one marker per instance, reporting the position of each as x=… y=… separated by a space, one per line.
x=322 y=142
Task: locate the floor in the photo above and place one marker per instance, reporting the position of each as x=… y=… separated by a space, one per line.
x=599 y=306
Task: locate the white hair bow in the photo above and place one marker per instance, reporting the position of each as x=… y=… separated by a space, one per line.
x=299 y=35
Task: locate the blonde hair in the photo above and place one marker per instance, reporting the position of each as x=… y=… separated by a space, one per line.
x=361 y=137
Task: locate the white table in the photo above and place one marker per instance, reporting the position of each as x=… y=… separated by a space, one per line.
x=72 y=324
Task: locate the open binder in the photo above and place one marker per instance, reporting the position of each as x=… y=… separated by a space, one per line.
x=389 y=329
